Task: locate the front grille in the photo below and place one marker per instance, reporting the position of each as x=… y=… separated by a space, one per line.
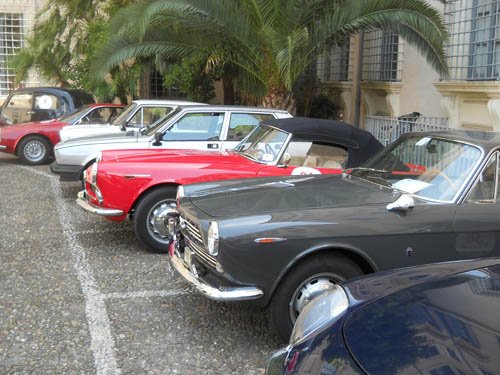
x=193 y=233
x=202 y=255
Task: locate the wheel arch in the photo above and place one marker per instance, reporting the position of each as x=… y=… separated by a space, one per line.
x=85 y=166
x=148 y=190
x=350 y=252
x=39 y=135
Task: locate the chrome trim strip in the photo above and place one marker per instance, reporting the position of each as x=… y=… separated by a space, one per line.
x=211 y=292
x=193 y=231
x=2 y=147
x=200 y=251
x=269 y=239
x=83 y=203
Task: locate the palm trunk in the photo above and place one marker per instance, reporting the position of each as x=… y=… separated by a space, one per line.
x=228 y=87
x=280 y=99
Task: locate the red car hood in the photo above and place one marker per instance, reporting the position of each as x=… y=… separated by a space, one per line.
x=172 y=155
x=182 y=166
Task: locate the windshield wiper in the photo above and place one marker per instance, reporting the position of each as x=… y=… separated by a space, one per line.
x=378 y=180
x=363 y=169
x=249 y=155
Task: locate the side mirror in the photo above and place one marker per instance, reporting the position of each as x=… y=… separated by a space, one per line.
x=402 y=204
x=158 y=138
x=123 y=126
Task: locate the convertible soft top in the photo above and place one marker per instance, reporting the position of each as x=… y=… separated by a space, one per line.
x=360 y=144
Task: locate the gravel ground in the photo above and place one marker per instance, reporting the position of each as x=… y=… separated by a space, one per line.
x=79 y=295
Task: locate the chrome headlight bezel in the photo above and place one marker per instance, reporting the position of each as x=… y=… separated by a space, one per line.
x=179 y=195
x=94 y=168
x=213 y=238
x=322 y=311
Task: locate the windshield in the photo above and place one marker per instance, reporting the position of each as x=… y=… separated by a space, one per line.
x=121 y=119
x=156 y=126
x=431 y=168
x=75 y=115
x=263 y=145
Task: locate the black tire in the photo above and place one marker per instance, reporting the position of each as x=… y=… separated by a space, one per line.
x=144 y=211
x=324 y=269
x=34 y=150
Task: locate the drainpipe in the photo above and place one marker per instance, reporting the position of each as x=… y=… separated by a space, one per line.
x=357 y=112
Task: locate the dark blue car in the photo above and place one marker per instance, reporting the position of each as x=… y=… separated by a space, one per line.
x=438 y=319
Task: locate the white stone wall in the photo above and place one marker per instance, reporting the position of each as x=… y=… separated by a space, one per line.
x=29 y=9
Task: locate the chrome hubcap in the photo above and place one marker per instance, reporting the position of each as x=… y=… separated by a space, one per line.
x=34 y=150
x=157 y=220
x=309 y=289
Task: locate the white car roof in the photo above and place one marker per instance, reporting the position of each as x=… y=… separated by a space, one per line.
x=164 y=102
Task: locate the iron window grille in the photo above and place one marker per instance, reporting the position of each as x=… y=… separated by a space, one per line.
x=335 y=64
x=158 y=90
x=474 y=42
x=382 y=56
x=11 y=41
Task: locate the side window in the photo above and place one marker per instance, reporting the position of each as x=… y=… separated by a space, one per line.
x=243 y=123
x=196 y=127
x=328 y=156
x=296 y=153
x=98 y=116
x=109 y=114
x=147 y=116
x=18 y=109
x=46 y=102
x=486 y=185
x=308 y=154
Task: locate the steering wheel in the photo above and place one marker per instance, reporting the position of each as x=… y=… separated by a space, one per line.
x=437 y=172
x=269 y=150
x=258 y=154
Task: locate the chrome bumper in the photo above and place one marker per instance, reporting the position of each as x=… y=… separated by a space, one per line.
x=83 y=203
x=2 y=147
x=214 y=293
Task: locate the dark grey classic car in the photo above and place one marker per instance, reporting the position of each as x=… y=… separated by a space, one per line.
x=428 y=197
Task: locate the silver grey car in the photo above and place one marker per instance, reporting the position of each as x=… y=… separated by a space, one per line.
x=201 y=127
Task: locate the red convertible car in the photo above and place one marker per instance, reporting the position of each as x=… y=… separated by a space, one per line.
x=142 y=184
x=33 y=142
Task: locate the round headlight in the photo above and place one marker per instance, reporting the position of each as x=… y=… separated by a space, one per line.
x=325 y=309
x=213 y=238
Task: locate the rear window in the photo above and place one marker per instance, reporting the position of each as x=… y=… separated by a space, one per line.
x=81 y=98
x=426 y=327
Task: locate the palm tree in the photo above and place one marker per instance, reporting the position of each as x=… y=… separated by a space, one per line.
x=268 y=43
x=64 y=38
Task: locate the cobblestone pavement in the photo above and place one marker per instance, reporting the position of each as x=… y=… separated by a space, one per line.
x=78 y=295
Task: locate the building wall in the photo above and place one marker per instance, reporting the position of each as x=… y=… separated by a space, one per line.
x=418 y=92
x=12 y=38
x=468 y=100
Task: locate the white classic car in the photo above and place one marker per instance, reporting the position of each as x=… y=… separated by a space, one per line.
x=138 y=114
x=206 y=127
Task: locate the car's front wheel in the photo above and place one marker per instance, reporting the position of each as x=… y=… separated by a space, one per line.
x=34 y=150
x=304 y=282
x=150 y=207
